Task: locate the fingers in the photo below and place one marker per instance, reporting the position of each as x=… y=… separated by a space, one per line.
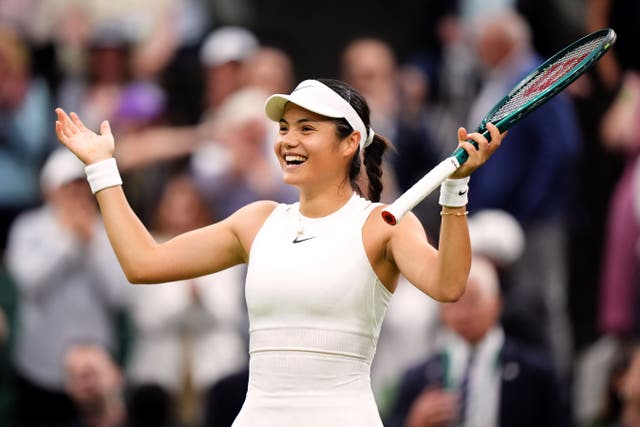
x=59 y=132
x=475 y=152
x=494 y=132
x=487 y=146
x=105 y=128
x=480 y=154
x=479 y=139
x=65 y=120
x=462 y=134
x=496 y=137
x=76 y=120
x=463 y=137
x=67 y=127
x=59 y=127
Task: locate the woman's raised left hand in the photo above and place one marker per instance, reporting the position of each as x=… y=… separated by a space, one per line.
x=477 y=157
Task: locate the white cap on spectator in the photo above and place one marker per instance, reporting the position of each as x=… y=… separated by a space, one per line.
x=60 y=168
x=484 y=273
x=497 y=235
x=228 y=44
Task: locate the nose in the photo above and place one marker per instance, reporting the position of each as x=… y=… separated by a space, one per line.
x=287 y=140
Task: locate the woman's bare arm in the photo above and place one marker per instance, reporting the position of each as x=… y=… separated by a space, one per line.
x=441 y=273
x=195 y=253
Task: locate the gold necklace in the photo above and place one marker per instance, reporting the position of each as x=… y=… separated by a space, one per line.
x=305 y=222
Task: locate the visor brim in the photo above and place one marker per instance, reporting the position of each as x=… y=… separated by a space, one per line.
x=275 y=106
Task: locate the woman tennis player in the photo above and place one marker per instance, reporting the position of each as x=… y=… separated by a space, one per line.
x=321 y=271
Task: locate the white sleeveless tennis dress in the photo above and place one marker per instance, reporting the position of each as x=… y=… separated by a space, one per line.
x=315 y=311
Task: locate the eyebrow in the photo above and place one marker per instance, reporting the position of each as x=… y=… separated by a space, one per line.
x=304 y=120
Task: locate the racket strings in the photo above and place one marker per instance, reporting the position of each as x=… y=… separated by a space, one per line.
x=546 y=78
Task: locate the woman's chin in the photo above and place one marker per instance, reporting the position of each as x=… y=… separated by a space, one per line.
x=291 y=178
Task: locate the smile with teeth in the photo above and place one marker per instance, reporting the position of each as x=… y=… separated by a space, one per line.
x=294 y=159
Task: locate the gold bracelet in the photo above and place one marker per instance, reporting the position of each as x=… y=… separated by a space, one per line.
x=465 y=213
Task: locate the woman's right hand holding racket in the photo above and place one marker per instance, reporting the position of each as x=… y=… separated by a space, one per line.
x=84 y=143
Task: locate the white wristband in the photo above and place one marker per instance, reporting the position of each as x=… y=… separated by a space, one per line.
x=454 y=192
x=103 y=174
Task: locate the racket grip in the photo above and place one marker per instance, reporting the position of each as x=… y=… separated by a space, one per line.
x=421 y=189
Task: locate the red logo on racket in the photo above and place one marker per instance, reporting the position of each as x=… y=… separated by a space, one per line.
x=552 y=74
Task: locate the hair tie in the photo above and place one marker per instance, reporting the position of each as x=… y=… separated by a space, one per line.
x=369 y=138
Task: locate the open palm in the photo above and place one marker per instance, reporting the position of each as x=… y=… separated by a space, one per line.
x=87 y=145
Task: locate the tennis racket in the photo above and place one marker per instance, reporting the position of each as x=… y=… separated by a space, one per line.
x=535 y=89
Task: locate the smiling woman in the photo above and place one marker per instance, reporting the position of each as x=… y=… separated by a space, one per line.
x=321 y=271
x=315 y=107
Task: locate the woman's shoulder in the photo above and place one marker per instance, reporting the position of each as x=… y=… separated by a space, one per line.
x=258 y=210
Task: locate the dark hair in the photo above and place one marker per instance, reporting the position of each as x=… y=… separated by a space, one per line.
x=372 y=153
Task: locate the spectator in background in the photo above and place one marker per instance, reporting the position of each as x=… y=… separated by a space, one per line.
x=182 y=77
x=532 y=179
x=617 y=308
x=238 y=166
x=146 y=138
x=187 y=334
x=146 y=155
x=622 y=16
x=601 y=165
x=400 y=98
x=417 y=153
x=618 y=303
x=151 y=26
x=97 y=91
x=222 y=56
x=480 y=376
x=94 y=383
x=70 y=288
x=25 y=108
x=233 y=164
x=269 y=69
x=397 y=98
x=370 y=65
x=498 y=236
x=620 y=72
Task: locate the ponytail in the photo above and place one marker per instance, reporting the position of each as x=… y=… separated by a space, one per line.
x=373 y=165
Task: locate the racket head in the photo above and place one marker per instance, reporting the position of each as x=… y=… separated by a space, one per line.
x=546 y=81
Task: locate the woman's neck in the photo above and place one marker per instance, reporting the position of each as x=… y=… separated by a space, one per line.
x=317 y=205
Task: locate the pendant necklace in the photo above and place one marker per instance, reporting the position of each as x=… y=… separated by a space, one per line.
x=303 y=223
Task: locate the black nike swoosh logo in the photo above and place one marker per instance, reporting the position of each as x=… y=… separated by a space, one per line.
x=462 y=193
x=298 y=240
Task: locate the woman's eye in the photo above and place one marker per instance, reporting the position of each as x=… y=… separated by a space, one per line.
x=307 y=129
x=283 y=129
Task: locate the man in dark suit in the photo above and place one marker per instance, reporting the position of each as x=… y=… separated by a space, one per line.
x=479 y=377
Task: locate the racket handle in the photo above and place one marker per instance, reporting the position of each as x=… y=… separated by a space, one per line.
x=421 y=189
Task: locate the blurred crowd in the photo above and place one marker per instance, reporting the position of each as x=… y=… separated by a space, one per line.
x=548 y=332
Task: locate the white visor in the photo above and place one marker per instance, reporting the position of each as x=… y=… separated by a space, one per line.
x=320 y=99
